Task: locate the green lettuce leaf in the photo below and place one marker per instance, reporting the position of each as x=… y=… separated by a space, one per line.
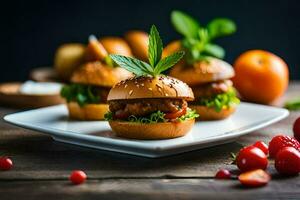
x=155 y=117
x=82 y=94
x=220 y=101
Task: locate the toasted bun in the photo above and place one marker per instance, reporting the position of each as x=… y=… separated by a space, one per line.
x=150 y=87
x=171 y=48
x=96 y=73
x=152 y=131
x=203 y=71
x=138 y=41
x=67 y=58
x=88 y=111
x=206 y=113
x=116 y=45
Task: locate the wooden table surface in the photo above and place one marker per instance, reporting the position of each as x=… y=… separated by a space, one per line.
x=42 y=166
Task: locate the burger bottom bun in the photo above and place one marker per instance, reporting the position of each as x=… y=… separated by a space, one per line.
x=88 y=111
x=206 y=113
x=166 y=130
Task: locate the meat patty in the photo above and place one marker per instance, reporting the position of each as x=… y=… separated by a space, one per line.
x=211 y=89
x=102 y=92
x=143 y=107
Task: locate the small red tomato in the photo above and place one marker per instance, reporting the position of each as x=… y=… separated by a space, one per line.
x=287 y=161
x=251 y=158
x=223 y=174
x=77 y=177
x=296 y=129
x=255 y=178
x=5 y=163
x=121 y=114
x=280 y=141
x=262 y=146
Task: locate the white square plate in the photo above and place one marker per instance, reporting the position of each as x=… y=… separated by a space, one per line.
x=97 y=134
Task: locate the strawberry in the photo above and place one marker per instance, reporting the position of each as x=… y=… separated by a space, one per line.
x=287 y=161
x=280 y=141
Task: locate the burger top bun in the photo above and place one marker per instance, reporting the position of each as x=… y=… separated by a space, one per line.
x=151 y=87
x=138 y=41
x=96 y=73
x=116 y=45
x=203 y=71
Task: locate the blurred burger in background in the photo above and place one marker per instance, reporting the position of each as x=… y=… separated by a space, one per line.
x=90 y=83
x=202 y=67
x=69 y=57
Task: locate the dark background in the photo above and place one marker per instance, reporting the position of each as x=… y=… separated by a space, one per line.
x=32 y=30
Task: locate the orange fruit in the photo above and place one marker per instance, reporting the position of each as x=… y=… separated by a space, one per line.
x=260 y=76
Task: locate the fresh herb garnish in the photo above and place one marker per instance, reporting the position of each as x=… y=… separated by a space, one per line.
x=154 y=117
x=82 y=94
x=220 y=101
x=198 y=41
x=156 y=65
x=293 y=105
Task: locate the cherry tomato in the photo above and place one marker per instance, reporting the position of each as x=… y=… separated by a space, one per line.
x=296 y=129
x=251 y=158
x=255 y=178
x=5 y=163
x=77 y=177
x=287 y=161
x=280 y=141
x=262 y=146
x=176 y=114
x=223 y=174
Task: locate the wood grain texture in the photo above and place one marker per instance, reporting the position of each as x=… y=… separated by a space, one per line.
x=149 y=189
x=42 y=166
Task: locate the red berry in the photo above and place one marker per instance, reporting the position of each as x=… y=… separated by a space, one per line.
x=280 y=141
x=287 y=161
x=254 y=178
x=77 y=177
x=296 y=129
x=223 y=174
x=251 y=158
x=262 y=146
x=5 y=163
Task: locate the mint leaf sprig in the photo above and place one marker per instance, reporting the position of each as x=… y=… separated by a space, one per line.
x=198 y=40
x=156 y=65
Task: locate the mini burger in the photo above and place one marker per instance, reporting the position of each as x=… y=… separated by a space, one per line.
x=150 y=105
x=90 y=84
x=202 y=67
x=215 y=97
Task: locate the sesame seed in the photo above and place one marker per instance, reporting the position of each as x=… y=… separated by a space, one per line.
x=125 y=86
x=150 y=89
x=130 y=92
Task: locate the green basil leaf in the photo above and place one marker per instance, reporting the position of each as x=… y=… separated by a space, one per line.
x=155 y=47
x=221 y=27
x=185 y=24
x=203 y=35
x=293 y=105
x=138 y=67
x=214 y=50
x=168 y=62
